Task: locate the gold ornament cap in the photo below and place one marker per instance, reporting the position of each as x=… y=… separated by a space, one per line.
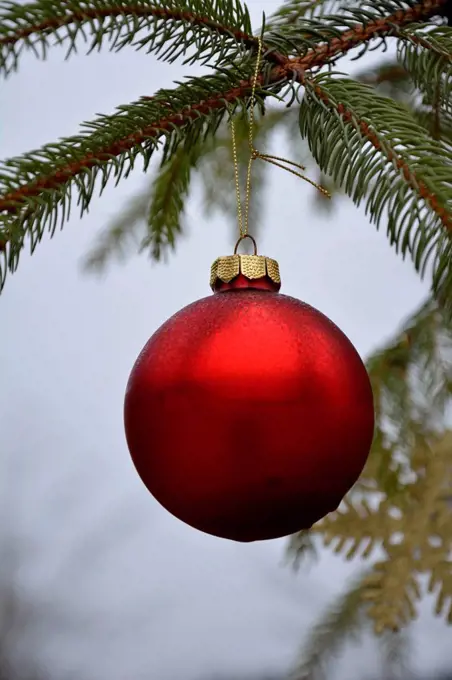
x=245 y=271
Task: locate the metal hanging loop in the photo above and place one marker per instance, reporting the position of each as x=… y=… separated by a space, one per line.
x=242 y=238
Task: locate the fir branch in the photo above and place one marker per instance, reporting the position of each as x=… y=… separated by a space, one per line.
x=213 y=32
x=168 y=191
x=373 y=147
x=117 y=139
x=372 y=19
x=293 y=12
x=355 y=528
x=198 y=101
x=344 y=620
x=412 y=376
x=153 y=218
x=314 y=57
x=210 y=31
x=411 y=380
x=402 y=526
x=35 y=186
x=427 y=56
x=392 y=589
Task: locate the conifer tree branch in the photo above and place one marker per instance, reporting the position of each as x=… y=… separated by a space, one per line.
x=345 y=620
x=51 y=23
x=428 y=59
x=373 y=147
x=289 y=68
x=37 y=185
x=400 y=161
x=34 y=188
x=363 y=32
x=169 y=189
x=173 y=28
x=162 y=119
x=121 y=20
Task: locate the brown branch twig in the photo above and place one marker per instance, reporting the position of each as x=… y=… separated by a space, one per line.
x=286 y=69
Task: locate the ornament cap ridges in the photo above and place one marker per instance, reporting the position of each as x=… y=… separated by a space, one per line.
x=252 y=267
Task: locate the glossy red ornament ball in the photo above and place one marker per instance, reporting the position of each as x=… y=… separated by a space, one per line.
x=249 y=414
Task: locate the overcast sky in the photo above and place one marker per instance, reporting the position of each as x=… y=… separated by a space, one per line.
x=135 y=593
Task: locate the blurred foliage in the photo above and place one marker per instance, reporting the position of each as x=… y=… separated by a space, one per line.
x=346 y=620
x=400 y=510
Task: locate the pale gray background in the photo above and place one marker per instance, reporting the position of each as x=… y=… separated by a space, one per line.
x=122 y=589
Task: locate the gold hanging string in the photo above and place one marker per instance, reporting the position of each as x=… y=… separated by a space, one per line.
x=254 y=153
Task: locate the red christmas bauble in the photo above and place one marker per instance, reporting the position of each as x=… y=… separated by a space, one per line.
x=249 y=414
